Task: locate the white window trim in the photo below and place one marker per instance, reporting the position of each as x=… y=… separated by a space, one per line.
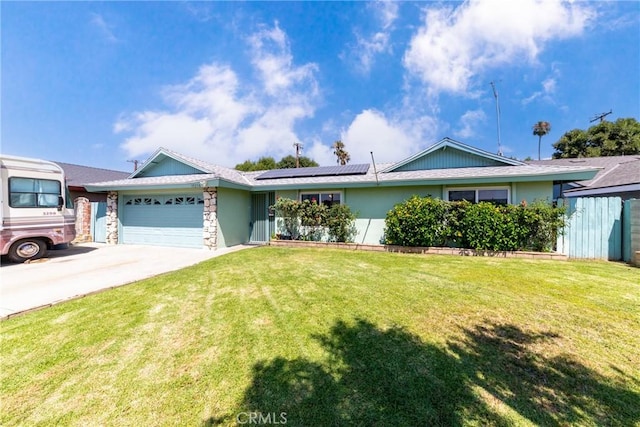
x=319 y=192
x=476 y=189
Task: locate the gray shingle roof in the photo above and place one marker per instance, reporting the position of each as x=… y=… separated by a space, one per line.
x=438 y=176
x=617 y=170
x=78 y=176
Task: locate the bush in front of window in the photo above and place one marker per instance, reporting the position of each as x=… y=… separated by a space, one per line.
x=481 y=226
x=308 y=220
x=420 y=221
x=313 y=217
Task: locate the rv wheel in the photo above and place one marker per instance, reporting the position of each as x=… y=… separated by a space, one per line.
x=27 y=249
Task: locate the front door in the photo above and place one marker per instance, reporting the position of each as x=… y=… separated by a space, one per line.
x=262 y=223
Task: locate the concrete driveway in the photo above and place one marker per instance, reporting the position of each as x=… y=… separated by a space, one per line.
x=86 y=268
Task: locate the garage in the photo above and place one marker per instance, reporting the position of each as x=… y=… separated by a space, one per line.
x=163 y=220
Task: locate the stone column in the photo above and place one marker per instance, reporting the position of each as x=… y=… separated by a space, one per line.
x=112 y=218
x=83 y=220
x=210 y=218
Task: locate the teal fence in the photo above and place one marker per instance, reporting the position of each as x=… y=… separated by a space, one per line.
x=594 y=228
x=631 y=230
x=99 y=221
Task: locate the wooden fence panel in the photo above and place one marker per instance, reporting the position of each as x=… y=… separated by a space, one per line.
x=594 y=228
x=631 y=230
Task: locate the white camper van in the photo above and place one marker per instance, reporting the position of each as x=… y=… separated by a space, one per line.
x=37 y=212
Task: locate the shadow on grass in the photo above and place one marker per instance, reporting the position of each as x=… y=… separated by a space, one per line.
x=390 y=377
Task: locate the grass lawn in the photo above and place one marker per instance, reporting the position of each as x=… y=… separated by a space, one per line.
x=329 y=337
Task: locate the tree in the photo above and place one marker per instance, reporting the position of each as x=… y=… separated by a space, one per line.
x=289 y=162
x=263 y=163
x=342 y=155
x=541 y=129
x=618 y=138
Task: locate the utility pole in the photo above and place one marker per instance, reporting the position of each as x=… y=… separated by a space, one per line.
x=298 y=146
x=495 y=95
x=600 y=117
x=135 y=164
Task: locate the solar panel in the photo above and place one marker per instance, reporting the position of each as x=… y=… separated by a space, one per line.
x=359 y=169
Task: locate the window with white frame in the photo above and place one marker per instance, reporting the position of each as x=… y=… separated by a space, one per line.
x=497 y=195
x=327 y=199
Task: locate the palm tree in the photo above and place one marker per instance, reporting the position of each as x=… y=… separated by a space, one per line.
x=341 y=154
x=541 y=129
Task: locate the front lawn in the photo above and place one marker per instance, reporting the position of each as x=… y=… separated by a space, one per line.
x=331 y=337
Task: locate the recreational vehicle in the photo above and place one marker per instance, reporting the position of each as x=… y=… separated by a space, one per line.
x=37 y=213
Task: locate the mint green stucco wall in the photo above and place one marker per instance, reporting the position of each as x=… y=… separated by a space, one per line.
x=531 y=191
x=234 y=215
x=372 y=205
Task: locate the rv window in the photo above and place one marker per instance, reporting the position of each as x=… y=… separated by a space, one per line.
x=34 y=193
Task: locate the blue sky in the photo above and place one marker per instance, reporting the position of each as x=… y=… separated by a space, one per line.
x=102 y=83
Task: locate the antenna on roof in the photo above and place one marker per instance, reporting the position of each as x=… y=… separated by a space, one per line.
x=298 y=146
x=600 y=117
x=495 y=95
x=135 y=164
x=374 y=168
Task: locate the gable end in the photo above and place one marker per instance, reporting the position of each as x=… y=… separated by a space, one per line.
x=448 y=158
x=166 y=166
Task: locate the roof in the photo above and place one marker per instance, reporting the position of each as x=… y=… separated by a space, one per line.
x=460 y=147
x=616 y=171
x=78 y=176
x=508 y=170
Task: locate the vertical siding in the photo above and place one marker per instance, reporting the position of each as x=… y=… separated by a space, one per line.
x=594 y=228
x=99 y=221
x=631 y=229
x=448 y=158
x=169 y=166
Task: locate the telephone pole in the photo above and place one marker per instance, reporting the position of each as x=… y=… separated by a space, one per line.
x=298 y=146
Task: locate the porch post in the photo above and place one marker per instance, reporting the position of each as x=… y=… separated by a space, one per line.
x=210 y=218
x=112 y=218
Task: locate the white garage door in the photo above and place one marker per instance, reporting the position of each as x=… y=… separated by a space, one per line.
x=167 y=220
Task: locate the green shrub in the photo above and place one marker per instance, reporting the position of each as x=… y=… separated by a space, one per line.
x=420 y=221
x=310 y=220
x=288 y=212
x=483 y=226
x=341 y=224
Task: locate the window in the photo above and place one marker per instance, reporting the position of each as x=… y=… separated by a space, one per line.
x=327 y=199
x=34 y=193
x=498 y=196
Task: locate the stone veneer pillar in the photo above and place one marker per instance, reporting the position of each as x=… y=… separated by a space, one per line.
x=112 y=218
x=83 y=220
x=210 y=218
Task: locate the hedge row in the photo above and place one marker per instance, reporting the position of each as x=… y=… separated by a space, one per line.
x=424 y=221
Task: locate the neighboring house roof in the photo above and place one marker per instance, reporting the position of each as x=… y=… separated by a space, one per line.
x=168 y=169
x=617 y=174
x=78 y=176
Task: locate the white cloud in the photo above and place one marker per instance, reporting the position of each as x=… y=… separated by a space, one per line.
x=454 y=45
x=468 y=122
x=103 y=27
x=390 y=139
x=369 y=46
x=219 y=117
